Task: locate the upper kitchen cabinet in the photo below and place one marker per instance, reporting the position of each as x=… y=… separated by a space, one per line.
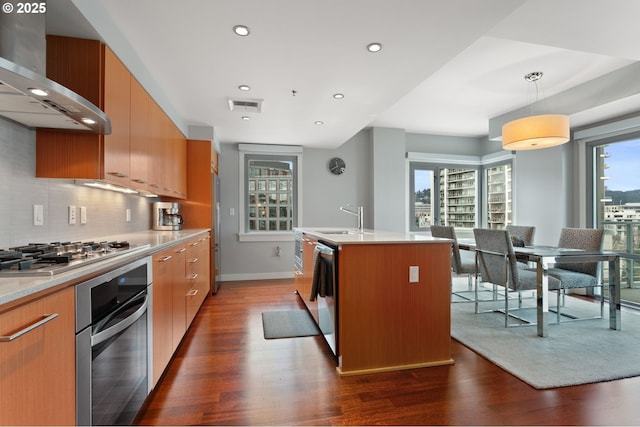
x=142 y=135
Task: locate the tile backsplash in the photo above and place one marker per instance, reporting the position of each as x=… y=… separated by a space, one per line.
x=20 y=190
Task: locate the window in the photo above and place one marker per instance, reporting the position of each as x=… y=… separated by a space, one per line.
x=466 y=192
x=270 y=193
x=616 y=205
x=498 y=189
x=269 y=196
x=456 y=196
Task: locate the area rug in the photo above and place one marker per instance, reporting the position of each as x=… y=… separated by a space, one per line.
x=574 y=353
x=288 y=324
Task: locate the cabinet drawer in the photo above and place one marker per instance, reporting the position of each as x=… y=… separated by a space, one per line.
x=37 y=364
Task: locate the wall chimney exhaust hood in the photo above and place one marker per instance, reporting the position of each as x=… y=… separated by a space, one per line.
x=29 y=98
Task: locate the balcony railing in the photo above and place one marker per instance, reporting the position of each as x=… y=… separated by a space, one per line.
x=623 y=237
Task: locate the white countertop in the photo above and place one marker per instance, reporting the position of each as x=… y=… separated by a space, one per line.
x=340 y=236
x=14 y=288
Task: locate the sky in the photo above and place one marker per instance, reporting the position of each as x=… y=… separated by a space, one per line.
x=624 y=166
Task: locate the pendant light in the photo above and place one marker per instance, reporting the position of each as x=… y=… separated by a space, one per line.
x=535 y=132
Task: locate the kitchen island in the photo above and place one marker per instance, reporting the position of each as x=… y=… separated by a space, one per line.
x=386 y=318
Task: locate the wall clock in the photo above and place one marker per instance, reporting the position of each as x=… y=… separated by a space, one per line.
x=337 y=166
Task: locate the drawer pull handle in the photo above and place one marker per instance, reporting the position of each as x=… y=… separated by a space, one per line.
x=165 y=259
x=193 y=260
x=119 y=174
x=181 y=250
x=194 y=243
x=192 y=293
x=193 y=276
x=46 y=318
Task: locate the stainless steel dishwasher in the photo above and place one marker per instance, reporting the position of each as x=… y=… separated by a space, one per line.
x=326 y=279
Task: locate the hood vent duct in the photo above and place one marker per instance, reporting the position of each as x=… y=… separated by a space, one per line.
x=26 y=95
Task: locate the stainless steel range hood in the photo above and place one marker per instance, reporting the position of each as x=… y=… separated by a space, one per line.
x=29 y=98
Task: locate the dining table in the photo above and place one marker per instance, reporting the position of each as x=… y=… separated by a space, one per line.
x=544 y=256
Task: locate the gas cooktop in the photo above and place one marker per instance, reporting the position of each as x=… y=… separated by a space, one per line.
x=47 y=259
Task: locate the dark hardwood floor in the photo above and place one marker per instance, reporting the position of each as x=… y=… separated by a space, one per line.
x=226 y=373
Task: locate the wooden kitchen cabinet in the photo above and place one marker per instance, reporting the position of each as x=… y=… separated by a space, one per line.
x=143 y=138
x=179 y=298
x=169 y=324
x=198 y=209
x=163 y=263
x=140 y=136
x=117 y=105
x=37 y=369
x=180 y=285
x=197 y=270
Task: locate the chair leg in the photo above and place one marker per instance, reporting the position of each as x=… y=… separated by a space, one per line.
x=475 y=290
x=506 y=308
x=560 y=291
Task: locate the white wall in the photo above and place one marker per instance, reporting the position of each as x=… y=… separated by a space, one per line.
x=322 y=195
x=20 y=190
x=389 y=180
x=543 y=195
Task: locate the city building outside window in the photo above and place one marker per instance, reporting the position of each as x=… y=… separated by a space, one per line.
x=498 y=190
x=452 y=196
x=270 y=201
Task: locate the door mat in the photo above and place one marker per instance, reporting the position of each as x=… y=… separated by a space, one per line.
x=288 y=324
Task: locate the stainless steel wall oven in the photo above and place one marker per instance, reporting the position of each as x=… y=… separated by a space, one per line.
x=113 y=345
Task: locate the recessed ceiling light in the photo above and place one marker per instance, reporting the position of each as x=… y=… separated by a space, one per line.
x=319 y=122
x=39 y=92
x=245 y=118
x=338 y=95
x=374 y=47
x=244 y=87
x=241 y=30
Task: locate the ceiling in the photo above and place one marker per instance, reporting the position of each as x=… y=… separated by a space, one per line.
x=447 y=67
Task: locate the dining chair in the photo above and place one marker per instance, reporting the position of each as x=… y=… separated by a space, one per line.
x=462 y=262
x=579 y=275
x=523 y=233
x=497 y=265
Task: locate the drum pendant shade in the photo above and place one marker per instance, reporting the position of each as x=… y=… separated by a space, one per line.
x=535 y=132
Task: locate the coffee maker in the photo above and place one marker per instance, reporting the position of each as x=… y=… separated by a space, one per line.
x=166 y=216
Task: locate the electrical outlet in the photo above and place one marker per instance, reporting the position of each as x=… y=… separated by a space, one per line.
x=414 y=274
x=38 y=215
x=128 y=215
x=83 y=214
x=72 y=214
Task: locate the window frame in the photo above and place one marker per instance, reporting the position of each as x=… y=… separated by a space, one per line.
x=249 y=152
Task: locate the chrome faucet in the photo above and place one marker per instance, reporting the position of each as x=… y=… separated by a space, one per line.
x=358 y=213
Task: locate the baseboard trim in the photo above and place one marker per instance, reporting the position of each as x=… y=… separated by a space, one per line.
x=256 y=276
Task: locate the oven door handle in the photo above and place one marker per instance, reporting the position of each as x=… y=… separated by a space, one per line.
x=124 y=324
